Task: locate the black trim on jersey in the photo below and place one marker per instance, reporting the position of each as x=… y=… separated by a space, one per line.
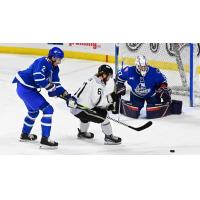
x=81 y=90
x=77 y=91
x=108 y=100
x=98 y=101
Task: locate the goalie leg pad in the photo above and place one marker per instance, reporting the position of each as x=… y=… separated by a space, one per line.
x=129 y=110
x=176 y=107
x=162 y=110
x=158 y=111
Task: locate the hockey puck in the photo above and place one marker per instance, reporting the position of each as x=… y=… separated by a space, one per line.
x=172 y=151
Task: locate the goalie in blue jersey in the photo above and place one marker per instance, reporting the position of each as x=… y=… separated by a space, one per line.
x=148 y=85
x=42 y=73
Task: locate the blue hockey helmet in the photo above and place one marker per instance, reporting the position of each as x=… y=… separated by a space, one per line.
x=56 y=53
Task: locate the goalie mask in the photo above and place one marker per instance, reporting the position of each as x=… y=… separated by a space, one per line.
x=141 y=65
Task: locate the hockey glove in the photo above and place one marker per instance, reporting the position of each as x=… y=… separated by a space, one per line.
x=110 y=107
x=116 y=100
x=65 y=95
x=113 y=97
x=121 y=88
x=50 y=87
x=71 y=101
x=165 y=94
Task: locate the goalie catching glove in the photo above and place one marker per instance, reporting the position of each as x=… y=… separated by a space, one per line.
x=164 y=93
x=120 y=88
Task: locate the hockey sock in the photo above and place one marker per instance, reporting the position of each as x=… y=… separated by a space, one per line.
x=29 y=121
x=84 y=126
x=106 y=127
x=46 y=121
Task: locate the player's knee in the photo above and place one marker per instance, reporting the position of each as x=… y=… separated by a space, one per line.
x=48 y=110
x=103 y=117
x=100 y=120
x=105 y=122
x=84 y=121
x=129 y=110
x=33 y=114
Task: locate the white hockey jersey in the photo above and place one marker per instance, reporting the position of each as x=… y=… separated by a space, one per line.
x=91 y=95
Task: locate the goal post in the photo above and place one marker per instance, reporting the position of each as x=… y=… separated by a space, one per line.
x=191 y=74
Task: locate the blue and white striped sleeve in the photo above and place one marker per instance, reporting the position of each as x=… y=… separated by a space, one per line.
x=122 y=75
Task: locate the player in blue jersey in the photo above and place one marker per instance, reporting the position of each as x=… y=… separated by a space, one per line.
x=42 y=73
x=148 y=85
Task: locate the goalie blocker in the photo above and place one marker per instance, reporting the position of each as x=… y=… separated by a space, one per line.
x=154 y=111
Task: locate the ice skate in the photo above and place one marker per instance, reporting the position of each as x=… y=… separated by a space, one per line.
x=112 y=140
x=28 y=137
x=46 y=143
x=84 y=135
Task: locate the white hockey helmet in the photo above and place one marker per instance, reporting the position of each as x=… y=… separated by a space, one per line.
x=141 y=64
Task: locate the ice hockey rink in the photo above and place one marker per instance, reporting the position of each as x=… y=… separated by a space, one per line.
x=178 y=132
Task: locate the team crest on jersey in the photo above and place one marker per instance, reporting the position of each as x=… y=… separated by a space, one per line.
x=141 y=88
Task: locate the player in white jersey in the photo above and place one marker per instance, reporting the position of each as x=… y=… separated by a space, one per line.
x=91 y=96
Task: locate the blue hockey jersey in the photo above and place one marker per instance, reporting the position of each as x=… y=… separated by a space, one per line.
x=143 y=87
x=39 y=74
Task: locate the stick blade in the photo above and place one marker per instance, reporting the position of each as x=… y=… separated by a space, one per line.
x=141 y=128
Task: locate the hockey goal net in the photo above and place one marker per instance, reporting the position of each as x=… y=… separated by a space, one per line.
x=180 y=62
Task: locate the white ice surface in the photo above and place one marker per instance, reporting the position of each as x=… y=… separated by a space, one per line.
x=181 y=133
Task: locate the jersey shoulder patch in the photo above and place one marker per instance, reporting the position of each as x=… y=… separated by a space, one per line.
x=126 y=69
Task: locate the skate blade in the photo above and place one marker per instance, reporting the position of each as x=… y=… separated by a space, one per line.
x=48 y=147
x=28 y=141
x=111 y=143
x=83 y=138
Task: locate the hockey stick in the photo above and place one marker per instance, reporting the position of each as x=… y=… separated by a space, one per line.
x=116 y=76
x=140 y=128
